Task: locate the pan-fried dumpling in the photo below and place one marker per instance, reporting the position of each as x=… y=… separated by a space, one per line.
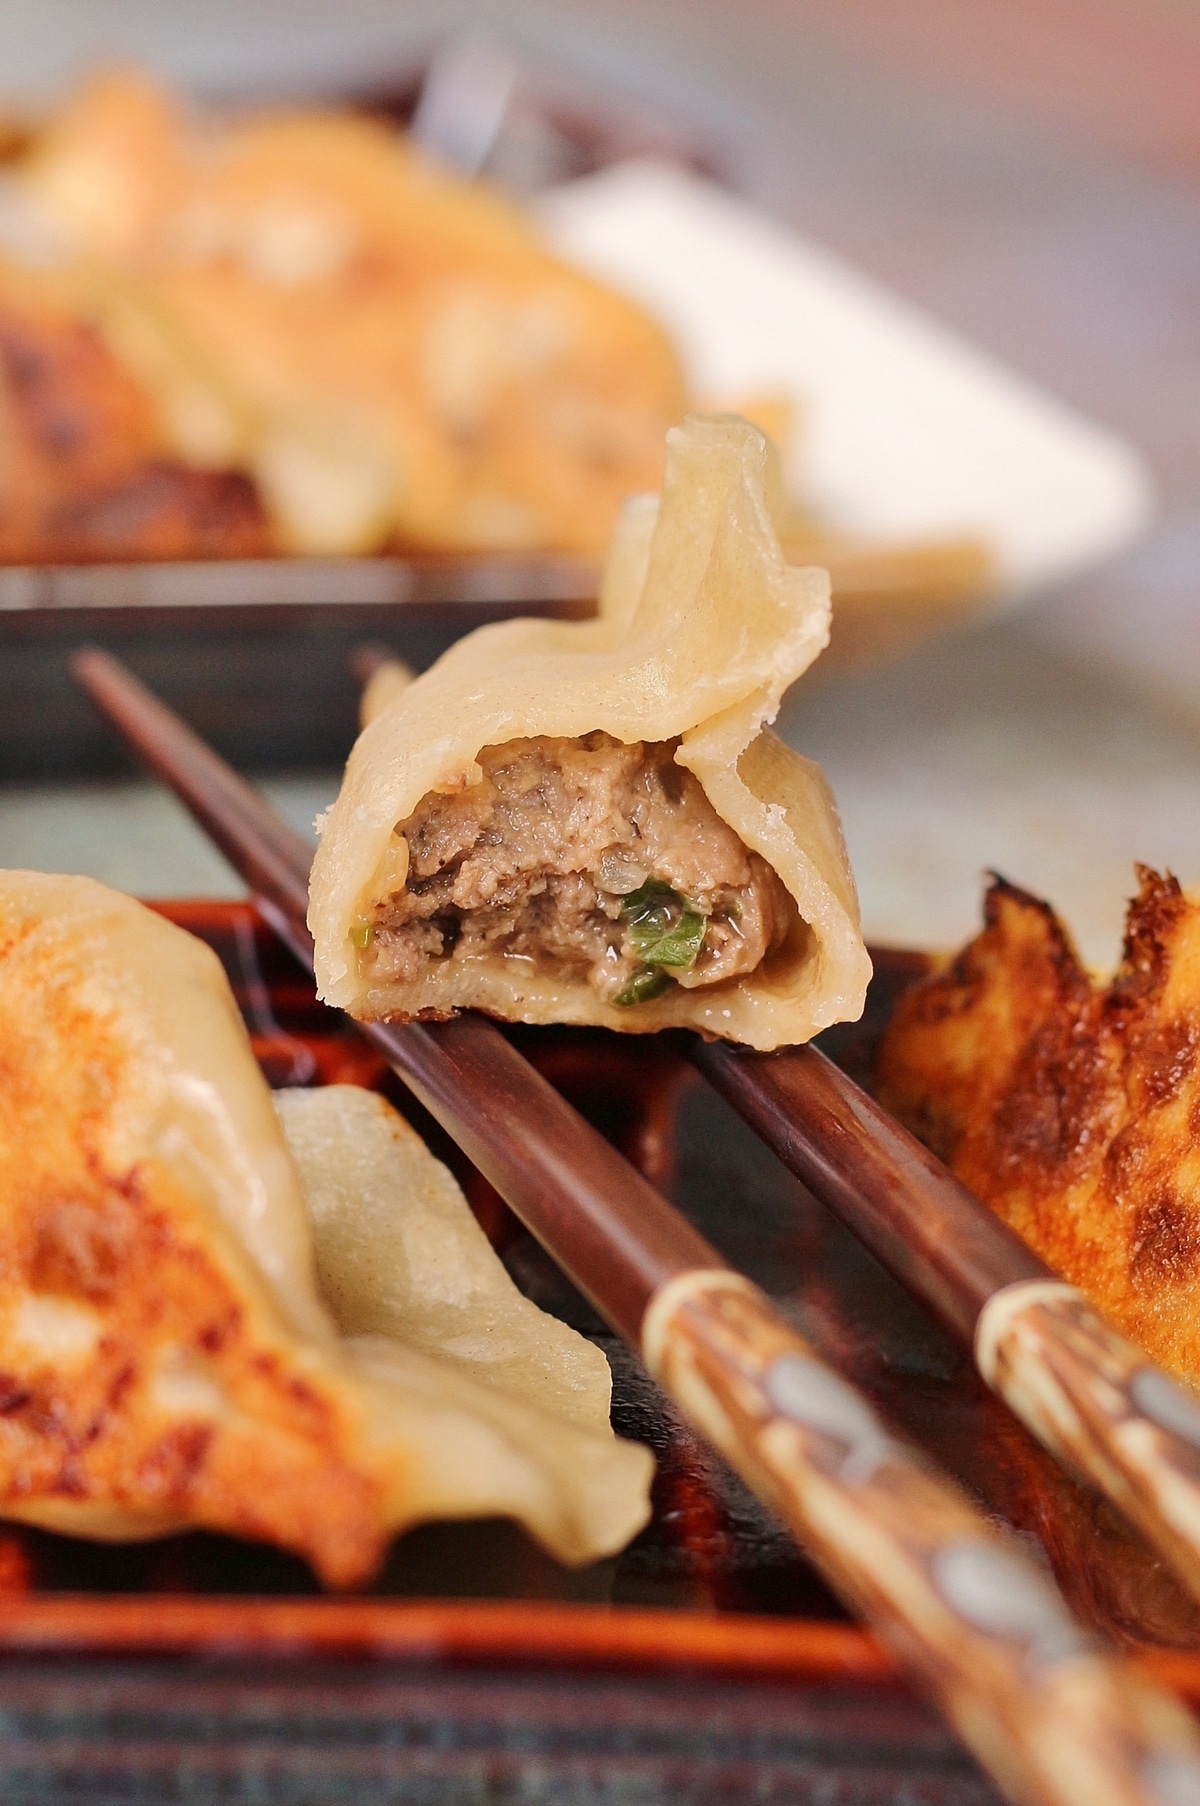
x=586 y=822
x=86 y=473
x=166 y=1359
x=1071 y=1104
x=389 y=350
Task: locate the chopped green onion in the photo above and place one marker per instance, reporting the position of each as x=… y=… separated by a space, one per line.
x=679 y=947
x=647 y=982
x=649 y=895
x=362 y=934
x=663 y=929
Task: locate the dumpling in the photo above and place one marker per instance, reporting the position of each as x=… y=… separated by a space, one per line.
x=1071 y=1104
x=389 y=350
x=166 y=1358
x=586 y=822
x=86 y=472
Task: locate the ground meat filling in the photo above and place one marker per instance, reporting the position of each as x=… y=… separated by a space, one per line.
x=588 y=858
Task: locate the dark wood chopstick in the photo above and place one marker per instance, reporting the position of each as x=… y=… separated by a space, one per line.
x=979 y=1627
x=899 y=1199
x=1095 y=1401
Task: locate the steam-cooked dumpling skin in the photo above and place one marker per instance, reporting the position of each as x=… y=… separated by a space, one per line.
x=400 y=1255
x=702 y=627
x=166 y=1359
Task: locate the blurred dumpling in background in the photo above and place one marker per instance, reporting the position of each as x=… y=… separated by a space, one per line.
x=385 y=348
x=87 y=472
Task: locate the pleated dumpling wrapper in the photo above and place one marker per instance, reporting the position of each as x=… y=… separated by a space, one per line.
x=587 y=821
x=167 y=1359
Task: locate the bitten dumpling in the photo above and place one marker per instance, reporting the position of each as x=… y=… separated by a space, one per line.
x=587 y=822
x=167 y=1359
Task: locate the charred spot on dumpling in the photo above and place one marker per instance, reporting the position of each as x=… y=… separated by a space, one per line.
x=1168 y=1059
x=1166 y=1239
x=1153 y=919
x=589 y=858
x=13 y=1393
x=88 y=475
x=82 y=1247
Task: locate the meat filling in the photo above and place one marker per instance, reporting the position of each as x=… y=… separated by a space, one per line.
x=589 y=858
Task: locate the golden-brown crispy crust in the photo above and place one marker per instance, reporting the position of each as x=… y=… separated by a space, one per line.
x=147 y=1380
x=166 y=1359
x=1073 y=1107
x=86 y=474
x=388 y=349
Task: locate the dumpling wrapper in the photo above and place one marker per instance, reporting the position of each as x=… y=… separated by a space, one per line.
x=166 y=1360
x=702 y=627
x=399 y=1255
x=387 y=348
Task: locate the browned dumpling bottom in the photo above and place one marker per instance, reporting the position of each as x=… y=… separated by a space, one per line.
x=591 y=859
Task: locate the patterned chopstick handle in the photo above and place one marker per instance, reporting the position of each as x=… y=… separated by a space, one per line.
x=1099 y=1404
x=1056 y=1719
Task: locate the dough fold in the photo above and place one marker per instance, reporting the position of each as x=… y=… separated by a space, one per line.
x=702 y=626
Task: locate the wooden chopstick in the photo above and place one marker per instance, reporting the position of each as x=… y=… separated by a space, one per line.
x=1055 y=1718
x=1095 y=1401
x=887 y=1187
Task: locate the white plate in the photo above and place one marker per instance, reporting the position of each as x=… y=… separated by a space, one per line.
x=905 y=431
